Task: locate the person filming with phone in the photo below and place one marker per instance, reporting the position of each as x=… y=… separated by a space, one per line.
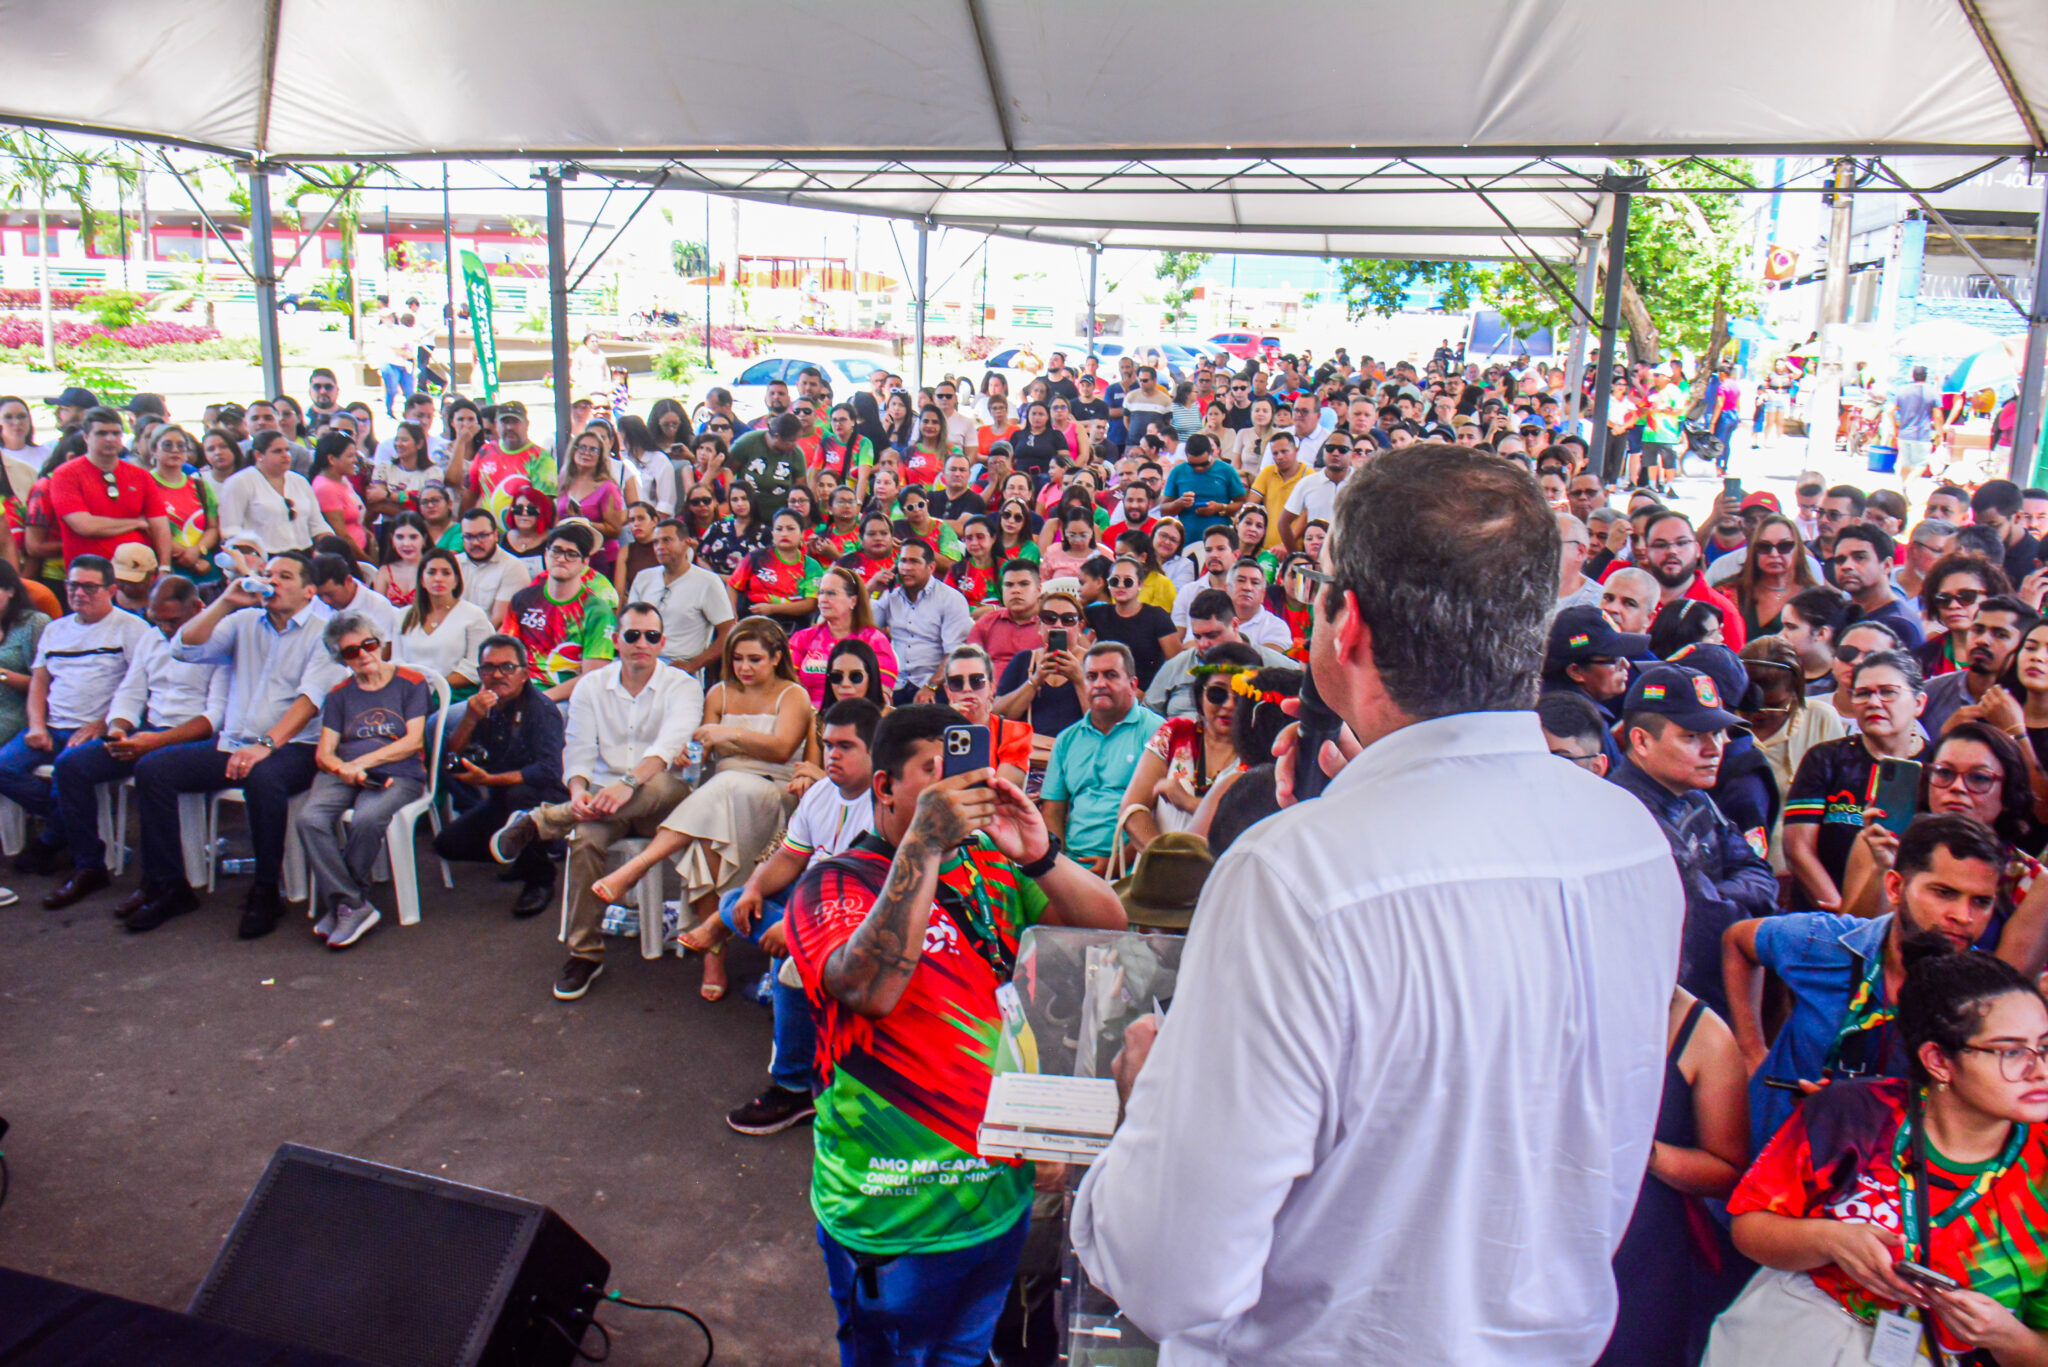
x=901 y=943
x=1293 y=1071
x=1899 y=1214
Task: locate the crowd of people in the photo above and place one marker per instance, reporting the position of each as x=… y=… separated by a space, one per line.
x=741 y=643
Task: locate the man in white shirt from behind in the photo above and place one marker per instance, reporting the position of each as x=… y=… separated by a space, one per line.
x=1401 y=1106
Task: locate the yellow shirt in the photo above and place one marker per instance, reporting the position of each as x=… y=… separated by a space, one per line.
x=1159 y=591
x=1273 y=488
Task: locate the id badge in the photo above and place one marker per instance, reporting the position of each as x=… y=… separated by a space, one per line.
x=1896 y=1341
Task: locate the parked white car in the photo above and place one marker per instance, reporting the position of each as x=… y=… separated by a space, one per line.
x=847 y=372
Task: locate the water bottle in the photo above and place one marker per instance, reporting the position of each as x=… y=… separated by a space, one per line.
x=232 y=868
x=694 y=770
x=250 y=583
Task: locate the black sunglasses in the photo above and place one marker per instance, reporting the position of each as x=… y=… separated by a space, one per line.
x=840 y=678
x=966 y=683
x=633 y=636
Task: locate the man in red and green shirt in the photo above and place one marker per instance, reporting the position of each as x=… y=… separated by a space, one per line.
x=500 y=467
x=901 y=943
x=562 y=620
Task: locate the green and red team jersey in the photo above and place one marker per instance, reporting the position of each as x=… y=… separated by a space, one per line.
x=559 y=637
x=765 y=577
x=1835 y=1159
x=865 y=565
x=896 y=1168
x=919 y=466
x=979 y=585
x=835 y=545
x=497 y=476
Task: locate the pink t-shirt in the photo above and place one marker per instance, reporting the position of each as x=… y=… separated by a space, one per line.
x=811 y=649
x=339 y=496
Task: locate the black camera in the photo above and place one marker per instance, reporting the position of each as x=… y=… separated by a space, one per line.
x=473 y=754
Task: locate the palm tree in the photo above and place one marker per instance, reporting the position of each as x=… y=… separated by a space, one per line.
x=35 y=167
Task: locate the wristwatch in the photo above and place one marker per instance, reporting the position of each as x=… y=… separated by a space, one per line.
x=1040 y=867
x=266 y=742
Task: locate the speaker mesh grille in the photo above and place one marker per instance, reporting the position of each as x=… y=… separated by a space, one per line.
x=369 y=1269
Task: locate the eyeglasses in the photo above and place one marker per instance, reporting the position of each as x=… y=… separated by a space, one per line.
x=633 y=636
x=1060 y=619
x=1776 y=547
x=1976 y=782
x=1880 y=693
x=81 y=586
x=2015 y=1062
x=1683 y=543
x=523 y=510
x=1123 y=581
x=1960 y=598
x=1834 y=515
x=368 y=645
x=703 y=503
x=506 y=667
x=559 y=551
x=966 y=683
x=848 y=678
x=174 y=446
x=1585 y=761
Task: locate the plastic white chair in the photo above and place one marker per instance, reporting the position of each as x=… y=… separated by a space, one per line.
x=13 y=828
x=113 y=830
x=401 y=838
x=647 y=893
x=295 y=875
x=191 y=830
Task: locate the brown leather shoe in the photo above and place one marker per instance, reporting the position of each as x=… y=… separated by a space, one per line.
x=81 y=884
x=132 y=903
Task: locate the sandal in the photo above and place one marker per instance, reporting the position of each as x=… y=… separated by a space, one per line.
x=711 y=926
x=711 y=991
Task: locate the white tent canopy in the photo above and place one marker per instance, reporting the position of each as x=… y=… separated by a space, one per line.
x=391 y=79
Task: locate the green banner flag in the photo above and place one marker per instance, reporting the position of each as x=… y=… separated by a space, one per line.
x=478 y=286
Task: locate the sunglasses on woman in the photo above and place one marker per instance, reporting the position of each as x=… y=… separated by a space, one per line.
x=1960 y=598
x=1216 y=695
x=966 y=683
x=1776 y=547
x=847 y=678
x=350 y=654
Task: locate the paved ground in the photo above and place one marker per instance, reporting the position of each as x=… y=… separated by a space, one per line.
x=148 y=1078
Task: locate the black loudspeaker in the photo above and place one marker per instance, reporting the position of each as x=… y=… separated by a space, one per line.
x=400 y=1269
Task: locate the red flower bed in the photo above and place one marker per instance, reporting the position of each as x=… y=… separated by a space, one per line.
x=24 y=332
x=59 y=298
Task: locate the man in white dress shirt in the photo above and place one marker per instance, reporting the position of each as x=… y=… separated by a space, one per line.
x=1402 y=1104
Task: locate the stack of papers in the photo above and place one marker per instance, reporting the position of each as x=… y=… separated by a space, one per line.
x=1048 y=1119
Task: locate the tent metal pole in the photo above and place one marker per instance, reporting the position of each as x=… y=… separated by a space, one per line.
x=1610 y=323
x=1094 y=261
x=924 y=234
x=1824 y=395
x=2026 y=435
x=1575 y=363
x=263 y=253
x=558 y=305
x=448 y=268
x=707 y=282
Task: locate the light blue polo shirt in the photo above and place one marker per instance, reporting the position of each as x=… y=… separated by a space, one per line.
x=1089 y=771
x=1816 y=953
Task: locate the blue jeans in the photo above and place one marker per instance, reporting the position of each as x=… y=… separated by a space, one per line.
x=397 y=385
x=922 y=1309
x=19 y=784
x=796 y=1033
x=79 y=772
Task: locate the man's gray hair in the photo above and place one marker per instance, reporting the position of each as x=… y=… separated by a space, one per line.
x=1452 y=558
x=1630 y=576
x=345 y=624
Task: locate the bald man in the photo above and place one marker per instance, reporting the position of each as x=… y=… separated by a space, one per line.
x=1629 y=598
x=1574 y=589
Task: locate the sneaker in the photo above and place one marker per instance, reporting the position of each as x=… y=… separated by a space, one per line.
x=353 y=925
x=577 y=975
x=772 y=1112
x=324 y=927
x=515 y=835
x=8 y=897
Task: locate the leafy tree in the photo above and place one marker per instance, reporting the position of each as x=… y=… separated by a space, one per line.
x=1686 y=271
x=1179 y=267
x=35 y=169
x=345 y=194
x=689 y=258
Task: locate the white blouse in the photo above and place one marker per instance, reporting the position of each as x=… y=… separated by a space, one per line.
x=450 y=649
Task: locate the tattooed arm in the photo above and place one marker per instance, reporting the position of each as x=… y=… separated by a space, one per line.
x=871 y=971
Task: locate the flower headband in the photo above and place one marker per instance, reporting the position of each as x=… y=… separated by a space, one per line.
x=1241 y=684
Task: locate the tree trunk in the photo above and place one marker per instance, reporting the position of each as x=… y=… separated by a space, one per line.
x=43 y=273
x=1642 y=329
x=1717 y=341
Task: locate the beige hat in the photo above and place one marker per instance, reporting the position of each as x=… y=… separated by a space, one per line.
x=1167 y=881
x=134 y=563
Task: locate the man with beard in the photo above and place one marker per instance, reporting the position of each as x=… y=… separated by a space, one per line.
x=1844 y=972
x=1675 y=730
x=1971 y=693
x=1672 y=556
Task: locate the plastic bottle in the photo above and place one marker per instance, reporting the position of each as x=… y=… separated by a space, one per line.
x=234 y=867
x=694 y=770
x=250 y=583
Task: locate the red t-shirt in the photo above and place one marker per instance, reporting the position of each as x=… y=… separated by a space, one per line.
x=79 y=486
x=919 y=466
